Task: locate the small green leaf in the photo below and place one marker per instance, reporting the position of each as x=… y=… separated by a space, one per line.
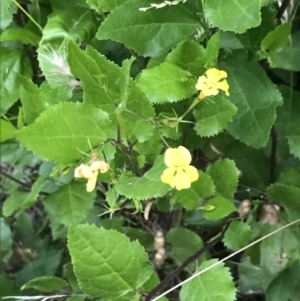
x=21 y=200
x=7 y=130
x=190 y=198
x=134 y=187
x=237 y=236
x=70 y=204
x=7 y=286
x=256 y=107
x=32 y=100
x=294 y=141
x=13 y=61
x=225 y=176
x=223 y=207
x=215 y=284
x=213 y=116
x=64 y=129
x=236 y=15
x=176 y=22
x=184 y=244
x=7 y=9
x=167 y=83
x=97 y=261
x=69 y=274
x=288 y=197
x=6 y=241
x=212 y=50
x=277 y=38
x=45 y=284
x=20 y=34
x=104 y=6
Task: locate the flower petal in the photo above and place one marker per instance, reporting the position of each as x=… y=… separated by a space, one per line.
x=90 y=185
x=215 y=74
x=168 y=176
x=184 y=156
x=181 y=180
x=83 y=171
x=223 y=85
x=192 y=173
x=170 y=157
x=201 y=82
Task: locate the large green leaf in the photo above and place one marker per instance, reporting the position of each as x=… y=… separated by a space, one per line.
x=77 y=23
x=190 y=198
x=13 y=61
x=158 y=29
x=70 y=204
x=184 y=244
x=134 y=187
x=256 y=106
x=167 y=83
x=225 y=176
x=236 y=15
x=6 y=242
x=213 y=116
x=215 y=284
x=64 y=130
x=100 y=255
x=288 y=197
x=7 y=9
x=20 y=34
x=104 y=6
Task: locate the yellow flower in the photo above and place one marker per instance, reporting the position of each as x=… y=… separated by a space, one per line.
x=91 y=173
x=179 y=173
x=211 y=84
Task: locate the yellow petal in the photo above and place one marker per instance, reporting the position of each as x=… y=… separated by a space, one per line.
x=201 y=82
x=83 y=171
x=168 y=176
x=215 y=74
x=210 y=91
x=223 y=85
x=192 y=173
x=90 y=185
x=170 y=157
x=181 y=180
x=184 y=156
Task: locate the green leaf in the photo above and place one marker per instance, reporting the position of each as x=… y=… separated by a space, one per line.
x=6 y=242
x=184 y=244
x=192 y=57
x=281 y=287
x=277 y=38
x=21 y=200
x=291 y=176
x=256 y=107
x=45 y=284
x=13 y=61
x=167 y=83
x=190 y=198
x=104 y=6
x=236 y=15
x=7 y=130
x=7 y=287
x=204 y=287
x=98 y=261
x=225 y=176
x=32 y=100
x=176 y=22
x=20 y=34
x=76 y=204
x=76 y=23
x=223 y=207
x=213 y=116
x=7 y=9
x=134 y=187
x=61 y=131
x=288 y=197
x=237 y=236
x=294 y=141
x=68 y=273
x=288 y=57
